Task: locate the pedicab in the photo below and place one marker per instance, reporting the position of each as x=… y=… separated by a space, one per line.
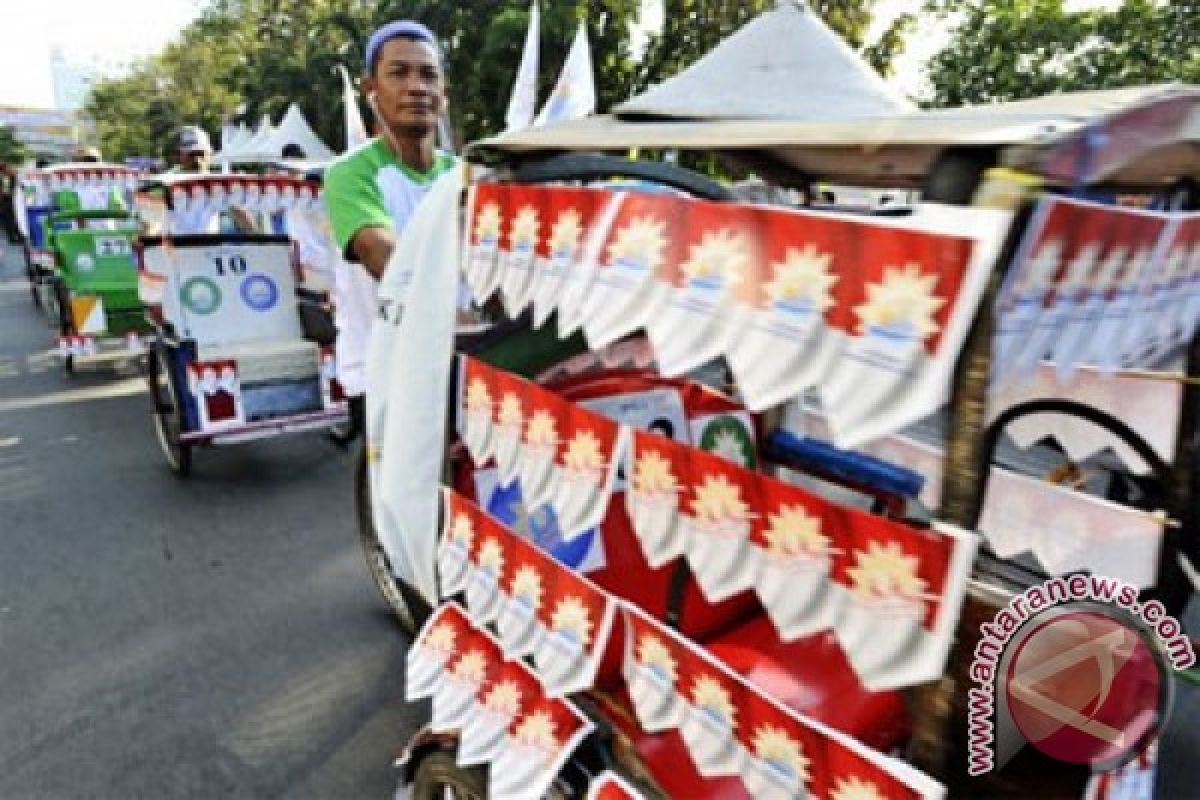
x=220 y=276
x=729 y=489
x=63 y=189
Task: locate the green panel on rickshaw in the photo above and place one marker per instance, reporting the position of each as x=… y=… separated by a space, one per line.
x=528 y=351
x=100 y=263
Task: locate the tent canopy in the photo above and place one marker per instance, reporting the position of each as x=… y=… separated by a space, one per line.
x=784 y=64
x=269 y=142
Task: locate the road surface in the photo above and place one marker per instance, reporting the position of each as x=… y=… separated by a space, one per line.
x=217 y=637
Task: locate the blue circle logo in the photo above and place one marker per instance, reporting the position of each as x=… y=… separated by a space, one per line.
x=260 y=292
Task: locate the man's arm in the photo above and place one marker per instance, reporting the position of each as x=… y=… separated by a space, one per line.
x=372 y=247
x=361 y=225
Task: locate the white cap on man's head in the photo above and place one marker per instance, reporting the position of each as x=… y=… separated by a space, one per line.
x=193 y=139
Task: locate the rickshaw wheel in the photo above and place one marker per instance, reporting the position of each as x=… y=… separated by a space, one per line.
x=377 y=560
x=438 y=777
x=167 y=415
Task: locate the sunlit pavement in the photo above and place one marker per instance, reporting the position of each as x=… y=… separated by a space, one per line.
x=217 y=637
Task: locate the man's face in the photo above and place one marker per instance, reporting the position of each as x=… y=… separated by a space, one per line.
x=409 y=90
x=193 y=160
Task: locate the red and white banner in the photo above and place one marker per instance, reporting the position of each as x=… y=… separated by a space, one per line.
x=549 y=416
x=890 y=592
x=870 y=311
x=732 y=729
x=503 y=716
x=476 y=407
x=569 y=215
x=508 y=425
x=488 y=209
x=592 y=447
x=1173 y=306
x=218 y=393
x=627 y=290
x=526 y=231
x=694 y=325
x=1083 y=276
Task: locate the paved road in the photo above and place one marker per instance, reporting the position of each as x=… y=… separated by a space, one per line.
x=166 y=639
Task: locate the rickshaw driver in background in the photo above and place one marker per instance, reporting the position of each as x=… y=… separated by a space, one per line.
x=193 y=150
x=372 y=191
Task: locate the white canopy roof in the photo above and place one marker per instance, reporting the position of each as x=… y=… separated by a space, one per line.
x=784 y=64
x=269 y=142
x=1153 y=136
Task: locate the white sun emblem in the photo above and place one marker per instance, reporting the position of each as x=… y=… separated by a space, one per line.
x=719 y=259
x=905 y=300
x=802 y=279
x=730 y=447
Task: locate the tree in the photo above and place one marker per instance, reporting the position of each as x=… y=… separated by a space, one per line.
x=12 y=150
x=1013 y=49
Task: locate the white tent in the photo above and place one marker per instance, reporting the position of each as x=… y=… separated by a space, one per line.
x=269 y=141
x=784 y=64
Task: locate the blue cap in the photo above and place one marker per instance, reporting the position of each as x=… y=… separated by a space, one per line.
x=406 y=28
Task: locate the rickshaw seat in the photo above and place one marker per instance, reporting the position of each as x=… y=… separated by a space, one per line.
x=269 y=360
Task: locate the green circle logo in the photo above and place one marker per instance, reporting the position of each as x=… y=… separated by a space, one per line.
x=728 y=437
x=201 y=295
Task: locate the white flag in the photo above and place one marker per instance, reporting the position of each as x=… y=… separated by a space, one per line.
x=575 y=94
x=356 y=131
x=524 y=94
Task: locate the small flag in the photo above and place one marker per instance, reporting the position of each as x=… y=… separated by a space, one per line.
x=523 y=102
x=575 y=94
x=356 y=131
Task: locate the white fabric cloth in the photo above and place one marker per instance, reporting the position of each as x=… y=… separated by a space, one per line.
x=408 y=379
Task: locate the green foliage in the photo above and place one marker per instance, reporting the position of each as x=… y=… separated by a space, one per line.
x=260 y=55
x=12 y=150
x=1014 y=49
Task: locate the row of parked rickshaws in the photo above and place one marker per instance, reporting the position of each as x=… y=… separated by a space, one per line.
x=731 y=486
x=728 y=487
x=216 y=285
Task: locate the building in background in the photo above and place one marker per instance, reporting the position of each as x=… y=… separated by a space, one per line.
x=49 y=134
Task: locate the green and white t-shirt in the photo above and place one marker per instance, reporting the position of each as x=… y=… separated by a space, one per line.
x=367 y=187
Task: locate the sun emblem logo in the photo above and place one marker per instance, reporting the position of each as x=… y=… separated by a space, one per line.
x=652 y=475
x=654 y=655
x=773 y=745
x=729 y=446
x=541 y=430
x=571 y=617
x=491 y=555
x=442 y=638
x=487 y=224
x=719 y=259
x=510 y=410
x=855 y=788
x=1080 y=270
x=471 y=668
x=479 y=398
x=503 y=698
x=886 y=571
x=461 y=530
x=527 y=585
x=537 y=730
x=566 y=233
x=525 y=228
x=583 y=453
x=710 y=696
x=718 y=499
x=640 y=244
x=904 y=300
x=792 y=531
x=802 y=280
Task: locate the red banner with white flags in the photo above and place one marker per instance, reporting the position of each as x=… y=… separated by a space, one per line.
x=838 y=302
